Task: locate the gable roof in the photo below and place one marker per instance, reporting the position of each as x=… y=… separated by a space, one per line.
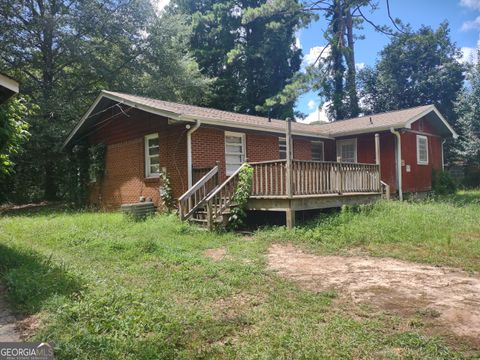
x=385 y=121
x=190 y=113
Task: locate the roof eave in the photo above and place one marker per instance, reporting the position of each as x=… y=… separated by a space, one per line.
x=239 y=125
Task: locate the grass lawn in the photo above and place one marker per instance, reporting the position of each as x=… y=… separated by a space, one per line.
x=105 y=287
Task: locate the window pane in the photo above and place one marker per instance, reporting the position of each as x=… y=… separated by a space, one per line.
x=153 y=151
x=348 y=152
x=153 y=142
x=233 y=139
x=154 y=160
x=237 y=149
x=154 y=169
x=317 y=151
x=232 y=168
x=234 y=159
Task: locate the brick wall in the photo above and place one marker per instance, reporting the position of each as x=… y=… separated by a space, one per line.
x=124 y=181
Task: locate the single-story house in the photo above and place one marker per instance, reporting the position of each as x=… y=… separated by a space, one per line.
x=399 y=149
x=8 y=87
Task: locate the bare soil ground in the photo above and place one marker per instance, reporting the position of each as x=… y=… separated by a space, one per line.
x=8 y=331
x=449 y=296
x=215 y=254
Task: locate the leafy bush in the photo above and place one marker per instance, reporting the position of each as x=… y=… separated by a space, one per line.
x=443 y=183
x=240 y=198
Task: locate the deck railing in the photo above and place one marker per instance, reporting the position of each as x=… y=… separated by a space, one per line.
x=196 y=196
x=314 y=178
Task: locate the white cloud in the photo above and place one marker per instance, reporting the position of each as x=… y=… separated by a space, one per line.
x=312 y=104
x=320 y=114
x=314 y=53
x=160 y=4
x=469 y=55
x=298 y=43
x=359 y=66
x=472 y=4
x=471 y=24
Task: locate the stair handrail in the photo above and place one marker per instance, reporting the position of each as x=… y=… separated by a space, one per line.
x=185 y=200
x=385 y=186
x=223 y=207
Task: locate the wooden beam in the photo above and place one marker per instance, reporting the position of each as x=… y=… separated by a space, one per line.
x=290 y=218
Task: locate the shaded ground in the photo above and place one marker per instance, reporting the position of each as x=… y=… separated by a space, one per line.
x=8 y=332
x=450 y=296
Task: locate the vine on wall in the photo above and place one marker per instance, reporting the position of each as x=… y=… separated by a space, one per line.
x=97 y=154
x=166 y=193
x=238 y=213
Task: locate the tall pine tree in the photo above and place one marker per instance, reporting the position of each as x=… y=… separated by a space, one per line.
x=251 y=57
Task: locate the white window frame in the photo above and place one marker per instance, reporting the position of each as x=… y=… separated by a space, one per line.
x=347 y=142
x=316 y=142
x=282 y=148
x=419 y=160
x=148 y=157
x=242 y=154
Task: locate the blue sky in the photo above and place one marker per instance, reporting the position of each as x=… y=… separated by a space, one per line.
x=462 y=15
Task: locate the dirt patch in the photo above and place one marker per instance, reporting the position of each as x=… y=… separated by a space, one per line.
x=8 y=332
x=27 y=326
x=215 y=254
x=453 y=296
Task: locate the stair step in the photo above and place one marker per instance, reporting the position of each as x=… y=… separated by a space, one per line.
x=198 y=220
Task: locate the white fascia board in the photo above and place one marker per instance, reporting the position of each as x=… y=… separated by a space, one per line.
x=9 y=83
x=238 y=125
x=365 y=131
x=440 y=116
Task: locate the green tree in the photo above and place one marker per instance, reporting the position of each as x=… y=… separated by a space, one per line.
x=416 y=68
x=65 y=52
x=250 y=57
x=334 y=72
x=468 y=112
x=13 y=134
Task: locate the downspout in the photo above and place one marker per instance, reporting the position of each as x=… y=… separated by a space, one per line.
x=399 y=162
x=443 y=155
x=189 y=151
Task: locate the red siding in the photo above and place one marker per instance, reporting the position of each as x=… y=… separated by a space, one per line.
x=420 y=177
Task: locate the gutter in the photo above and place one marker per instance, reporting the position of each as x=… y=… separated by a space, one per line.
x=443 y=155
x=399 y=162
x=189 y=151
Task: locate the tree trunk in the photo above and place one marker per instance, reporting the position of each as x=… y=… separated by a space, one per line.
x=351 y=71
x=338 y=68
x=50 y=182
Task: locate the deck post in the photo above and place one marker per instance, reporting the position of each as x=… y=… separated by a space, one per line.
x=209 y=216
x=288 y=174
x=377 y=159
x=340 y=175
x=290 y=218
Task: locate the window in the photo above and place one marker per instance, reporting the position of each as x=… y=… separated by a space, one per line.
x=347 y=150
x=282 y=148
x=234 y=151
x=317 y=151
x=152 y=156
x=422 y=150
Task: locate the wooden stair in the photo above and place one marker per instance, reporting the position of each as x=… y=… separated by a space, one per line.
x=208 y=203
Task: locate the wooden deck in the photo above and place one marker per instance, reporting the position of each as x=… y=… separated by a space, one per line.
x=286 y=185
x=312 y=185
